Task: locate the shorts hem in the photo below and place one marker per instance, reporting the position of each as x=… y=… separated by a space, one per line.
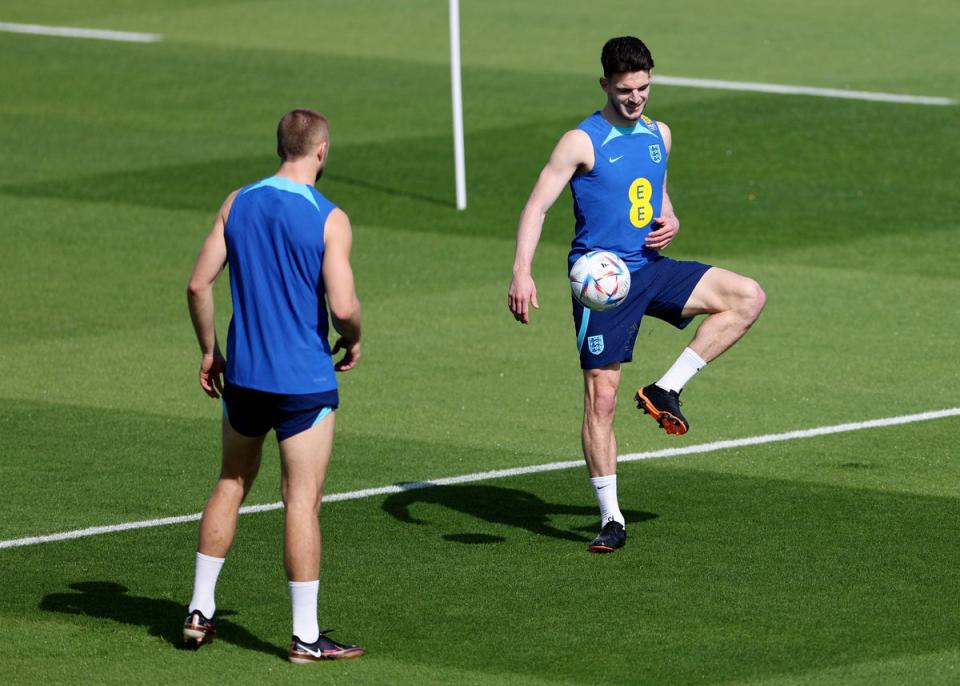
x=601 y=365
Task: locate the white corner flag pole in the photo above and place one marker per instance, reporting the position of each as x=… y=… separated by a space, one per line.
x=458 y=156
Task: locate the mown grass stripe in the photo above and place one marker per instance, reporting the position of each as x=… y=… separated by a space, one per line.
x=715 y=84
x=505 y=473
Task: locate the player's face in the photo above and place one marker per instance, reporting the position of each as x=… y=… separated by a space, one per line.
x=627 y=93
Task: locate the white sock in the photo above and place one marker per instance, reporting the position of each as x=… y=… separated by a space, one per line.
x=303 y=597
x=606 y=490
x=205 y=584
x=688 y=364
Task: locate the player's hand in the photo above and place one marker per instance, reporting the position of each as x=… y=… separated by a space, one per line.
x=522 y=294
x=211 y=374
x=351 y=354
x=665 y=228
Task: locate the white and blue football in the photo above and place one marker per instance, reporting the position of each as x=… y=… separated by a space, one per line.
x=600 y=280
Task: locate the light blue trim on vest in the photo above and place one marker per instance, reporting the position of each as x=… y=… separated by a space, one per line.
x=616 y=132
x=323 y=413
x=283 y=184
x=583 y=328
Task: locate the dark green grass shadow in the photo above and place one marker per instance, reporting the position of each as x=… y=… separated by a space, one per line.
x=112 y=601
x=203 y=185
x=63 y=446
x=497 y=505
x=760 y=192
x=737 y=578
x=759 y=173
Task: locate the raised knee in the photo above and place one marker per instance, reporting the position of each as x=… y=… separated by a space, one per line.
x=753 y=298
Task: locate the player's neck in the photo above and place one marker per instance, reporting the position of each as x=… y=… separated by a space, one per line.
x=298 y=171
x=611 y=116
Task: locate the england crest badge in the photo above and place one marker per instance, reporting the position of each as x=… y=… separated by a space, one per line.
x=595 y=344
x=655 y=154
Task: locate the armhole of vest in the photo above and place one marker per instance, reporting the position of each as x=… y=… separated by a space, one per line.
x=323 y=225
x=659 y=132
x=596 y=152
x=226 y=223
x=663 y=141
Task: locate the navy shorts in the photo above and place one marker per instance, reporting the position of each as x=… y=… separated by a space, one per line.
x=253 y=413
x=660 y=289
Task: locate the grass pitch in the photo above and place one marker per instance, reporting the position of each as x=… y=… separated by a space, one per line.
x=828 y=560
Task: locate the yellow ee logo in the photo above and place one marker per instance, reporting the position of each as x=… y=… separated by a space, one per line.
x=641 y=211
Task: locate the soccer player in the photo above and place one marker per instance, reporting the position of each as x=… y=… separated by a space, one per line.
x=616 y=164
x=288 y=248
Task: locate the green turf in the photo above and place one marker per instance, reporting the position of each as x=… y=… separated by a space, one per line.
x=826 y=560
x=763 y=576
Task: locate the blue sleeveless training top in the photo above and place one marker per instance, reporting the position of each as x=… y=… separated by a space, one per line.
x=616 y=201
x=278 y=335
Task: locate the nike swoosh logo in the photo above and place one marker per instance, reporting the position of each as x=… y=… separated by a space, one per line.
x=614 y=159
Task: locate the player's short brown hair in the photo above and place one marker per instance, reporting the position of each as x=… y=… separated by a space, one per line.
x=625 y=55
x=299 y=132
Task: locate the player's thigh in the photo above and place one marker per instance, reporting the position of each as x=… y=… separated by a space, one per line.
x=717 y=291
x=240 y=455
x=304 y=457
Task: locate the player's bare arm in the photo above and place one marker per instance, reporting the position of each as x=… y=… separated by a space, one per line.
x=573 y=154
x=341 y=292
x=209 y=266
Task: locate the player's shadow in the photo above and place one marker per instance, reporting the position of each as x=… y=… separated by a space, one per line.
x=162 y=618
x=498 y=505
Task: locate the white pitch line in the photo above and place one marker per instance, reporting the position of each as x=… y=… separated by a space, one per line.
x=75 y=32
x=504 y=473
x=803 y=90
x=717 y=84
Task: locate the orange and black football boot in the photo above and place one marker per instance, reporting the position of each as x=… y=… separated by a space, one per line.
x=664 y=407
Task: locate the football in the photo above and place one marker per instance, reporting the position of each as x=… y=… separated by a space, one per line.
x=600 y=280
